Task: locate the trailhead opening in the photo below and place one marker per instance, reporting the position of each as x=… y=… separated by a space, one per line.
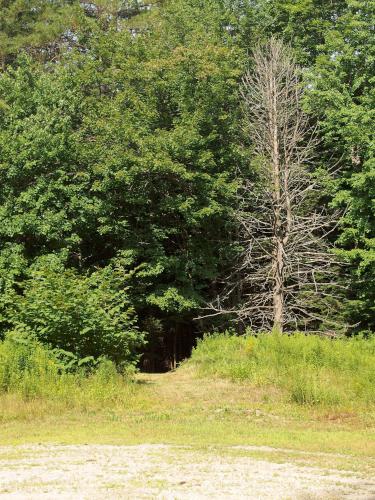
x=167 y=348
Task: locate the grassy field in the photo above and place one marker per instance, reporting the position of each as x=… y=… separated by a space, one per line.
x=203 y=404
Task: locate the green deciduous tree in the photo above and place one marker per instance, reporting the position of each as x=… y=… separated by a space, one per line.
x=125 y=153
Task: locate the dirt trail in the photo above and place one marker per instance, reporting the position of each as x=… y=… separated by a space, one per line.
x=180 y=387
x=164 y=472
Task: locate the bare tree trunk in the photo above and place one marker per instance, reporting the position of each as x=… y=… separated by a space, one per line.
x=278 y=254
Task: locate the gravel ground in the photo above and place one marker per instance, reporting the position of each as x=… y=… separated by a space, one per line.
x=164 y=472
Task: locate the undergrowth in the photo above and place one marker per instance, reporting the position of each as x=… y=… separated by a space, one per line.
x=29 y=371
x=305 y=370
x=310 y=370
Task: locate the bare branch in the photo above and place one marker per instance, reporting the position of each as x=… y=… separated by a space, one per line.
x=286 y=255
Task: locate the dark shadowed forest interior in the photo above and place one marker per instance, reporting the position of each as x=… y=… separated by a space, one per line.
x=177 y=167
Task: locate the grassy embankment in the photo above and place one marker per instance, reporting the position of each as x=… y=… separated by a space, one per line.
x=299 y=393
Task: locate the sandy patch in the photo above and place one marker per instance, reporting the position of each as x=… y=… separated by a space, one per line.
x=164 y=472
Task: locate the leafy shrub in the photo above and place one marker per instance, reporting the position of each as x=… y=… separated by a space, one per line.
x=83 y=317
x=309 y=369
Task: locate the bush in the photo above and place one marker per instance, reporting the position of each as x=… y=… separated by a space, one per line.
x=82 y=316
x=309 y=369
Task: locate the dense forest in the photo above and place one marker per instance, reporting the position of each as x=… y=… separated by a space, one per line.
x=136 y=211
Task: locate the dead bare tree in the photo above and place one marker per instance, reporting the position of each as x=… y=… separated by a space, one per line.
x=286 y=267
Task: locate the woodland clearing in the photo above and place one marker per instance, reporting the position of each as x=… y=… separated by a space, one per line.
x=185 y=437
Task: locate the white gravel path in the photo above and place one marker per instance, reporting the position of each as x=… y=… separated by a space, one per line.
x=164 y=472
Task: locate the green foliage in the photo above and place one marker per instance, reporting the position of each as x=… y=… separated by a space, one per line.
x=285 y=18
x=342 y=97
x=126 y=155
x=172 y=95
x=44 y=203
x=35 y=25
x=88 y=316
x=308 y=369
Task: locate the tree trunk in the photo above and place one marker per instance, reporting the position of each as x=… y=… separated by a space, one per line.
x=278 y=264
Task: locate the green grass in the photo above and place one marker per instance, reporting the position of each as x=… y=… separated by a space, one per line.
x=31 y=373
x=208 y=401
x=310 y=370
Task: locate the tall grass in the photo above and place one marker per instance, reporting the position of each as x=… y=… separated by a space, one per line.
x=308 y=369
x=29 y=372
